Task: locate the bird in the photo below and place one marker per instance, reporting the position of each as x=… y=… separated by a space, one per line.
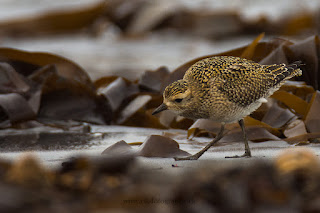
x=225 y=89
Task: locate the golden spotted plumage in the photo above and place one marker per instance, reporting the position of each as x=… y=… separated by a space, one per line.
x=242 y=81
x=176 y=88
x=225 y=89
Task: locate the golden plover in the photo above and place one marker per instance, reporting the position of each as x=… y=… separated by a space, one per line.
x=225 y=89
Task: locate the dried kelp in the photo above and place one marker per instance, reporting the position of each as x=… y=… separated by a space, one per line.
x=53 y=22
x=154 y=146
x=48 y=88
x=42 y=85
x=140 y=17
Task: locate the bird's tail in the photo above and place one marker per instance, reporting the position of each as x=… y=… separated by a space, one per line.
x=294 y=69
x=282 y=72
x=285 y=71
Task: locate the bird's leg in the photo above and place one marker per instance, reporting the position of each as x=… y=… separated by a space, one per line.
x=198 y=155
x=247 y=152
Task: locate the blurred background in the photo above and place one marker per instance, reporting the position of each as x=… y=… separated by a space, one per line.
x=127 y=37
x=49 y=105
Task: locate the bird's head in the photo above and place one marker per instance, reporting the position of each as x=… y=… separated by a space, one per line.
x=176 y=97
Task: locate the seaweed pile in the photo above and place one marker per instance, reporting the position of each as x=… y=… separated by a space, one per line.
x=47 y=91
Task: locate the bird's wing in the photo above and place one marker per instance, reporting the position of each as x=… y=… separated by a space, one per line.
x=246 y=83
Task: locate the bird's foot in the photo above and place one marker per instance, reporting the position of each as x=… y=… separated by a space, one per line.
x=191 y=157
x=245 y=155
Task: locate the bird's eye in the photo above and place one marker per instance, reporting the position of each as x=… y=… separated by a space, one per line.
x=178 y=100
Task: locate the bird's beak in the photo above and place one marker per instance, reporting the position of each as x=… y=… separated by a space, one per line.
x=160 y=108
